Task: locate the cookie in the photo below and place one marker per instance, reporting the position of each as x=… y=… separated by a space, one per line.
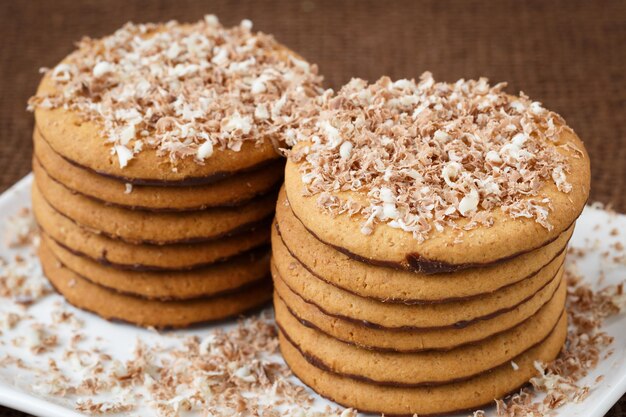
x=340 y=303
x=402 y=251
x=82 y=145
x=394 y=340
x=155 y=228
x=157 y=166
x=119 y=254
x=415 y=369
x=406 y=175
x=147 y=107
x=112 y=305
x=225 y=277
x=399 y=286
x=235 y=190
x=441 y=399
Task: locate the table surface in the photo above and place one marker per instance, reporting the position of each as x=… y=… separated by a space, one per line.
x=568 y=54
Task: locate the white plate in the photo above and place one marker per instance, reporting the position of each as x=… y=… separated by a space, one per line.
x=19 y=389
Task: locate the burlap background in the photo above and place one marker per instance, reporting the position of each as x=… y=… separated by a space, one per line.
x=571 y=55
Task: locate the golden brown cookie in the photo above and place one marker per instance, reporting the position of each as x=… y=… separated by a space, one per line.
x=147 y=227
x=120 y=254
x=112 y=305
x=443 y=251
x=81 y=144
x=393 y=285
x=415 y=369
x=146 y=106
x=472 y=393
x=434 y=176
x=232 y=191
x=221 y=278
x=340 y=303
x=392 y=340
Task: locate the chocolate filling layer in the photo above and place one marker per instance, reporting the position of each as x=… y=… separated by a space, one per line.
x=186 y=182
x=458 y=325
x=164 y=328
x=149 y=268
x=416 y=263
x=311 y=325
x=408 y=301
x=232 y=204
x=320 y=364
x=229 y=291
x=241 y=288
x=246 y=227
x=447 y=413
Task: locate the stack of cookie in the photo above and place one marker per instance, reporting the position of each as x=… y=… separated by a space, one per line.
x=156 y=169
x=419 y=243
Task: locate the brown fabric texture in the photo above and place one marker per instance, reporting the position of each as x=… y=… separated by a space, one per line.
x=568 y=54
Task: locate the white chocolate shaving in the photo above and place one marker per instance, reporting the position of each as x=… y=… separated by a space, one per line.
x=428 y=155
x=178 y=86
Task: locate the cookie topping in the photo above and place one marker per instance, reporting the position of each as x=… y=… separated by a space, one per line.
x=425 y=155
x=183 y=89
